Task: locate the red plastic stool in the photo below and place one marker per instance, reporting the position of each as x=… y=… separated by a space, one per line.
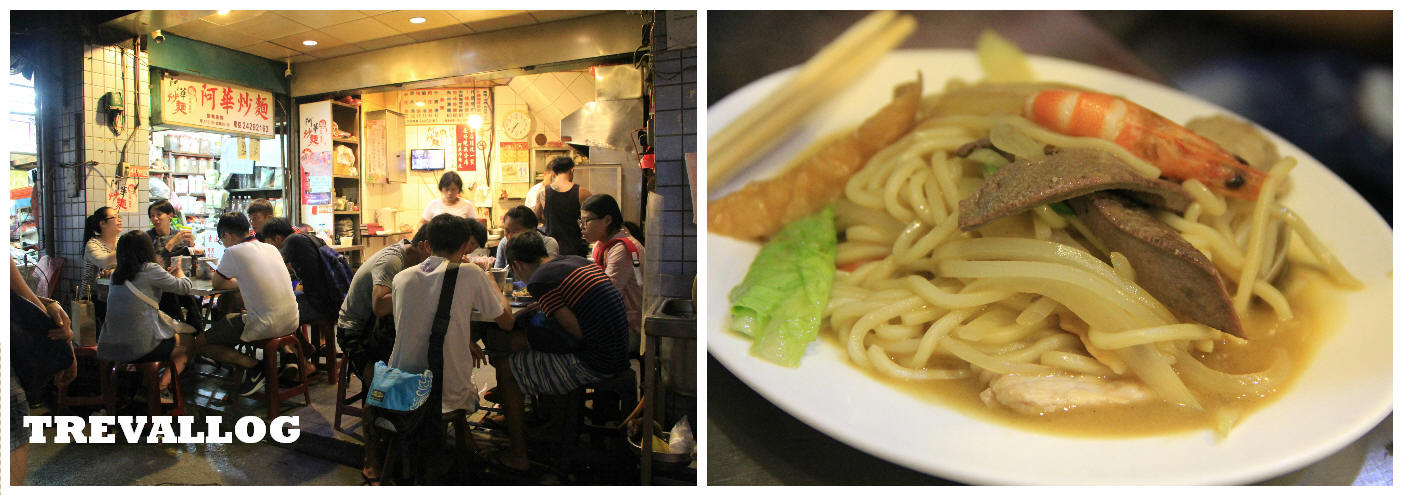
x=273 y=390
x=151 y=376
x=106 y=397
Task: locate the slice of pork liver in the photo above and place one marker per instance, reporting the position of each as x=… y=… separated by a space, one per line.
x=1165 y=264
x=1067 y=173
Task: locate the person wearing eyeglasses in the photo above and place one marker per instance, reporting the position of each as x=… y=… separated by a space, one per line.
x=100 y=231
x=616 y=251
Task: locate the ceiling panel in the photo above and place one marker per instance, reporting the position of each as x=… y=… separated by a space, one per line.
x=439 y=33
x=399 y=20
x=386 y=42
x=269 y=26
x=359 y=30
x=318 y=19
x=278 y=34
x=269 y=51
x=511 y=21
x=232 y=17
x=466 y=16
x=324 y=41
x=335 y=51
x=214 y=34
x=303 y=58
x=558 y=15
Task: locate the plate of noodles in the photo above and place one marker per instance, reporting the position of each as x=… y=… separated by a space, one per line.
x=928 y=324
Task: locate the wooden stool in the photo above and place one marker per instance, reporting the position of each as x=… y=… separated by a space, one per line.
x=462 y=434
x=106 y=397
x=151 y=376
x=465 y=444
x=600 y=402
x=272 y=390
x=343 y=403
x=322 y=333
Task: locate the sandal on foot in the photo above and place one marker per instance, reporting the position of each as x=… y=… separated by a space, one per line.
x=368 y=481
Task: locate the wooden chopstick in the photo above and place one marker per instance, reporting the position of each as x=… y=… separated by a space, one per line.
x=831 y=69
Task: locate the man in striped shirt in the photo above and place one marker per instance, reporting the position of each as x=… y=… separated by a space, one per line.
x=574 y=292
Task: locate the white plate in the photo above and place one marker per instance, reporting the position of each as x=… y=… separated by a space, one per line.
x=1344 y=393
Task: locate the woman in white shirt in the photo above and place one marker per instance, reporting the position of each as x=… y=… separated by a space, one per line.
x=451 y=187
x=100 y=232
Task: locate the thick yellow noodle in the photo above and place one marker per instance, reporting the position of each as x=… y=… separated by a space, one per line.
x=925 y=295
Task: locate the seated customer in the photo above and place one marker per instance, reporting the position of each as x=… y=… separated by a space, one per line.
x=133 y=332
x=169 y=243
x=370 y=300
x=319 y=301
x=416 y=293
x=518 y=220
x=577 y=294
x=260 y=211
x=256 y=269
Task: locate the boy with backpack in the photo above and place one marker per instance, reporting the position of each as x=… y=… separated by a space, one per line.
x=322 y=273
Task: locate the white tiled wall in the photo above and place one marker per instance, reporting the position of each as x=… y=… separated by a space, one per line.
x=549 y=98
x=552 y=96
x=99 y=72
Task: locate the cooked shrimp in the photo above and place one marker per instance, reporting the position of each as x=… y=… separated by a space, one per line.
x=1179 y=153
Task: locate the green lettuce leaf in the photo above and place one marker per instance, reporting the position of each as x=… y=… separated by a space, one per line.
x=781 y=301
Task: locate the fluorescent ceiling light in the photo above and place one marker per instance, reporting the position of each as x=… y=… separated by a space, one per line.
x=417 y=20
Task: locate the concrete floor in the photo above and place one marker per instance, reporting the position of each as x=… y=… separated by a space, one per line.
x=321 y=456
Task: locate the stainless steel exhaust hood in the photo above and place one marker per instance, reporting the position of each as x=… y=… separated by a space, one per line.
x=606 y=124
x=616 y=112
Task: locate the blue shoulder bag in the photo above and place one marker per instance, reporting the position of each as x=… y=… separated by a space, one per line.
x=400 y=391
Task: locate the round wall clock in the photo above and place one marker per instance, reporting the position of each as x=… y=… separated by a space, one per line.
x=516 y=124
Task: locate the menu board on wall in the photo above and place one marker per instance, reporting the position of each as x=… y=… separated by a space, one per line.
x=315 y=155
x=444 y=106
x=216 y=106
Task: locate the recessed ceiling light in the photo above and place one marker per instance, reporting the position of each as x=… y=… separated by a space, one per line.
x=419 y=103
x=310 y=42
x=223 y=12
x=417 y=20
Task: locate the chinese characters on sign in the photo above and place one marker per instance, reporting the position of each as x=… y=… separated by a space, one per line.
x=467 y=151
x=216 y=106
x=443 y=106
x=121 y=194
x=315 y=155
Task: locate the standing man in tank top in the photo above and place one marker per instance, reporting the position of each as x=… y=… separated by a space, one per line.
x=562 y=211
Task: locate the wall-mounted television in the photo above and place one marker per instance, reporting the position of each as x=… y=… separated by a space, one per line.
x=426 y=159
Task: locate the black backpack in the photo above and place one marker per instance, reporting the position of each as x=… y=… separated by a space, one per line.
x=336 y=274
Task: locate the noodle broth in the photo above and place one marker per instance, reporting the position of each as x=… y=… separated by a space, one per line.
x=1314 y=298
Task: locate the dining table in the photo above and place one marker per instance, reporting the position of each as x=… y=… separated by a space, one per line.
x=751 y=441
x=198 y=287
